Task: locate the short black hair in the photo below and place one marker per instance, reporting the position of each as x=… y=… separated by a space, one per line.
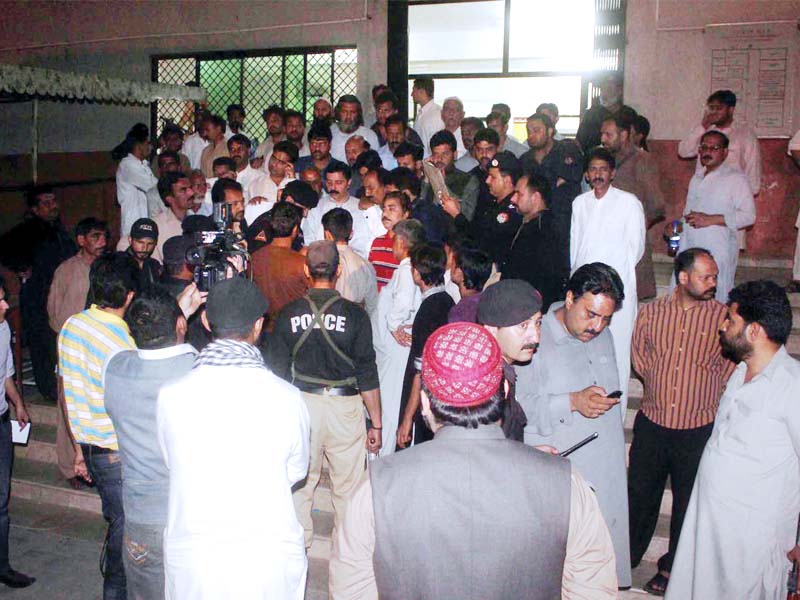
x=766 y=303
x=685 y=260
x=33 y=192
x=424 y=83
x=296 y=114
x=171 y=129
x=387 y=96
x=319 y=131
x=597 y=278
x=536 y=182
x=488 y=135
x=407 y=148
x=642 y=125
x=599 y=153
x=475 y=264
x=166 y=181
x=545 y=119
x=472 y=121
x=443 y=137
x=497 y=116
x=89 y=224
x=287 y=148
x=111 y=278
x=221 y=186
x=224 y=161
x=725 y=140
x=726 y=97
x=273 y=109
x=469 y=417
x=430 y=262
x=238 y=138
x=369 y=159
x=168 y=154
x=396 y=120
x=404 y=179
x=233 y=107
x=217 y=121
x=552 y=107
x=284 y=217
x=339 y=167
x=623 y=121
x=339 y=223
x=151 y=318
x=405 y=203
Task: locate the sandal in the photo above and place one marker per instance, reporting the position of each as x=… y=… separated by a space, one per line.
x=658 y=584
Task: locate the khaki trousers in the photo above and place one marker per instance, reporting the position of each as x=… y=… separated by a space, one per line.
x=338 y=432
x=65 y=451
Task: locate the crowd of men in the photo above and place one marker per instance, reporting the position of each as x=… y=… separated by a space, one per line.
x=434 y=313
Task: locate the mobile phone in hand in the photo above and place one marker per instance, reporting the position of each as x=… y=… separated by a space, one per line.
x=615 y=394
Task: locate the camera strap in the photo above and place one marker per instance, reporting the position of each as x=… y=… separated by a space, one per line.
x=317 y=320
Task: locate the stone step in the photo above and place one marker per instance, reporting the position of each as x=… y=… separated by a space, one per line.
x=41 y=444
x=41 y=481
x=40 y=412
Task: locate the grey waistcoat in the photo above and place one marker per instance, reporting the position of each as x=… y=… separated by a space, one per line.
x=131 y=395
x=470 y=515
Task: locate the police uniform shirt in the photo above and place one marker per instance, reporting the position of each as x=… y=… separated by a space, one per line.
x=539 y=254
x=495 y=229
x=348 y=326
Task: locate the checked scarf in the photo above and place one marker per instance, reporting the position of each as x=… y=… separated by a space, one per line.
x=230 y=353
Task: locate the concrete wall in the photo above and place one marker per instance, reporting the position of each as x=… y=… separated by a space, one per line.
x=117 y=38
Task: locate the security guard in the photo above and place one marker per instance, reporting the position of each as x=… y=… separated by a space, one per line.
x=494 y=229
x=322 y=343
x=142 y=242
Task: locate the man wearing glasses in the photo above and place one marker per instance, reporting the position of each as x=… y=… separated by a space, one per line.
x=719 y=203
x=263 y=192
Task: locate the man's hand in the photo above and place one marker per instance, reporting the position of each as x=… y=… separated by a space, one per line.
x=237 y=262
x=79 y=466
x=708 y=120
x=22 y=416
x=257 y=200
x=373 y=440
x=699 y=220
x=450 y=205
x=547 y=449
x=257 y=163
x=591 y=402
x=404 y=433
x=402 y=336
x=190 y=299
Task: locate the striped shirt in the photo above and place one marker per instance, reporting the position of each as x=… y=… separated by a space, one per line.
x=87 y=340
x=382 y=258
x=678 y=355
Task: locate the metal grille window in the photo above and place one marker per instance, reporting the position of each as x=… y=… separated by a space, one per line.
x=292 y=78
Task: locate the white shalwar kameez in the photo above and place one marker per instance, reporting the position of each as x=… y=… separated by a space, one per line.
x=723 y=191
x=232 y=530
x=611 y=230
x=742 y=516
x=398 y=302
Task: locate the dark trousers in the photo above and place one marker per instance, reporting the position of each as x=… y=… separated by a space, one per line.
x=143 y=556
x=42 y=345
x=658 y=452
x=6 y=462
x=105 y=468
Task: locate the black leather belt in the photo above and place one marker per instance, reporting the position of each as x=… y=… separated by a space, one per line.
x=98 y=449
x=329 y=391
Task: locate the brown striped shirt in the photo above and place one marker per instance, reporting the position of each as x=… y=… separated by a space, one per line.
x=678 y=355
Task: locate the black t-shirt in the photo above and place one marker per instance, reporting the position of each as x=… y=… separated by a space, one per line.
x=348 y=326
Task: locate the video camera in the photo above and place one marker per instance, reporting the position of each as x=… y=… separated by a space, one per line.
x=211 y=254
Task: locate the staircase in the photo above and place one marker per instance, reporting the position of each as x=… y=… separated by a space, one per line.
x=36 y=479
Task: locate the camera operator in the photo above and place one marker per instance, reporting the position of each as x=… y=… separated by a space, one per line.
x=323 y=344
x=228 y=195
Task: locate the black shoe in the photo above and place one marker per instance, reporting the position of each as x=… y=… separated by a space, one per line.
x=15 y=579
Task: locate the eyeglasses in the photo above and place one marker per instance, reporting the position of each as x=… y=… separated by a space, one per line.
x=714 y=148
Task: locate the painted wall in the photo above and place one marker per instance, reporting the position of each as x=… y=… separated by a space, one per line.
x=117 y=38
x=666 y=79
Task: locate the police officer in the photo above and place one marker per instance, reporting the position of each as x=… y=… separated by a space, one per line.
x=322 y=343
x=142 y=242
x=495 y=227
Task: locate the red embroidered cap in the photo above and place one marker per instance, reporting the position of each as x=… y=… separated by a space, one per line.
x=462 y=364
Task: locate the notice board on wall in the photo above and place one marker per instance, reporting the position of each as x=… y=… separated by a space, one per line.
x=758 y=62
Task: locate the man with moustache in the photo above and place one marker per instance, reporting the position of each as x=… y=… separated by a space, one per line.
x=381 y=256
x=177 y=194
x=637 y=173
x=484 y=148
x=319 y=142
x=386 y=108
x=565 y=392
x=296 y=131
x=742 y=516
x=409 y=157
x=323 y=112
x=239 y=149
x=463 y=187
x=560 y=162
x=609 y=103
x=274 y=119
x=499 y=122
x=349 y=122
x=469 y=127
x=676 y=354
x=143 y=239
x=608 y=226
x=263 y=191
x=452 y=115
x=719 y=203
